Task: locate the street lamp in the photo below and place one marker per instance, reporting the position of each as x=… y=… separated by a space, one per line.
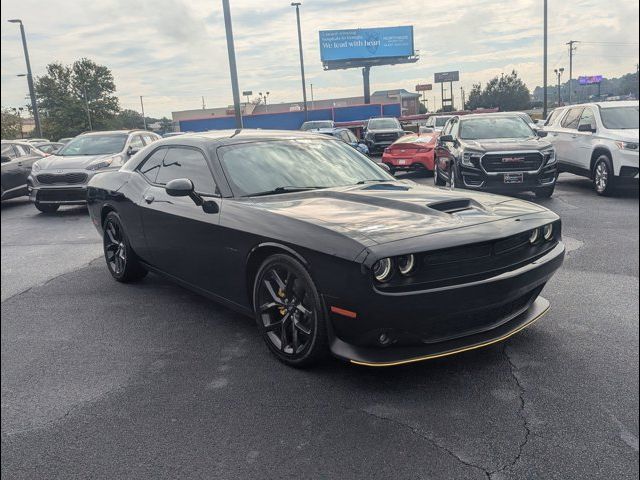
x=233 y=70
x=559 y=73
x=32 y=93
x=304 y=85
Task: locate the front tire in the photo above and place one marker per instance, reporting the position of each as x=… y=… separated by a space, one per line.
x=47 y=207
x=603 y=181
x=545 y=192
x=437 y=181
x=122 y=262
x=289 y=312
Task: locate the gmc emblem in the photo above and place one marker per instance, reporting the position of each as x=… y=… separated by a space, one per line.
x=512 y=159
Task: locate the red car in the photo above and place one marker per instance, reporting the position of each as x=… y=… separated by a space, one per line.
x=411 y=152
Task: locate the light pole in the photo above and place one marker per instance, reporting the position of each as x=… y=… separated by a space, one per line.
x=144 y=120
x=86 y=103
x=32 y=93
x=233 y=70
x=559 y=73
x=304 y=85
x=544 y=65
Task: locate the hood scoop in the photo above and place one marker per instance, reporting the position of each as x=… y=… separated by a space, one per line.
x=455 y=205
x=387 y=186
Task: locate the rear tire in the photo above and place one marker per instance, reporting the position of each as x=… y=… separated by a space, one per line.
x=47 y=207
x=289 y=312
x=603 y=179
x=122 y=262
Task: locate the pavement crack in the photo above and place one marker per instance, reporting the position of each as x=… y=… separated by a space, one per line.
x=521 y=413
x=417 y=432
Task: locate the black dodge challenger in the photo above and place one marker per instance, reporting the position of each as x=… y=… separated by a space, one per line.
x=326 y=250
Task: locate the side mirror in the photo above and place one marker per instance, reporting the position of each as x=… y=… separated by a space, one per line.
x=132 y=150
x=586 y=128
x=5 y=159
x=183 y=187
x=446 y=138
x=541 y=133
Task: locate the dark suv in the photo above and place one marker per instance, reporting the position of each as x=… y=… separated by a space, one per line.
x=379 y=133
x=495 y=152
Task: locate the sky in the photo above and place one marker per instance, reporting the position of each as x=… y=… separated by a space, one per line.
x=173 y=52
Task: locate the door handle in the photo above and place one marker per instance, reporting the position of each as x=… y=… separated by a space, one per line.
x=149 y=198
x=19 y=164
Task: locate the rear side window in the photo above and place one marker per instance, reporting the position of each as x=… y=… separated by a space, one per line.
x=183 y=162
x=8 y=151
x=572 y=118
x=149 y=139
x=152 y=165
x=587 y=118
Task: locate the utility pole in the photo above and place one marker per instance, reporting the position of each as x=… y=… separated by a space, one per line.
x=462 y=97
x=233 y=70
x=304 y=85
x=32 y=91
x=204 y=106
x=572 y=49
x=544 y=64
x=144 y=120
x=86 y=104
x=312 y=103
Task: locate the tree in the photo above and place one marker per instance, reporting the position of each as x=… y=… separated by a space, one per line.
x=11 y=125
x=69 y=95
x=505 y=92
x=129 y=119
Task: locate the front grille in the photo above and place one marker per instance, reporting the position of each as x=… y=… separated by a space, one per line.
x=62 y=195
x=512 y=162
x=62 y=178
x=386 y=137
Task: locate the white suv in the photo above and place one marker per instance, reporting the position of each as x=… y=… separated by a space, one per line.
x=598 y=141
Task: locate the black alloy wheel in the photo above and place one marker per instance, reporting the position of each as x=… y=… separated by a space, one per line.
x=289 y=312
x=122 y=262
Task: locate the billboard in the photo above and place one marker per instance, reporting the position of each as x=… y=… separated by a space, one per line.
x=366 y=43
x=443 y=77
x=592 y=80
x=424 y=87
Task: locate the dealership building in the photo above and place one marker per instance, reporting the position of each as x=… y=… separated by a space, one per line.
x=408 y=101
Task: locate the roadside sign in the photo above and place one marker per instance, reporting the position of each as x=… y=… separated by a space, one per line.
x=443 y=77
x=247 y=93
x=591 y=80
x=424 y=87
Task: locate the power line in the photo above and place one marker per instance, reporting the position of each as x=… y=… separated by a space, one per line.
x=630 y=44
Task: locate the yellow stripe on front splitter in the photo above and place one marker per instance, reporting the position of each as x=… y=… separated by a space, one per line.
x=452 y=352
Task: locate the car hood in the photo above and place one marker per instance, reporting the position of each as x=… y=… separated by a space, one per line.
x=624 y=134
x=57 y=162
x=507 y=144
x=384 y=130
x=387 y=212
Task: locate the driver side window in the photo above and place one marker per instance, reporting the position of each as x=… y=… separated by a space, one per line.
x=184 y=162
x=587 y=118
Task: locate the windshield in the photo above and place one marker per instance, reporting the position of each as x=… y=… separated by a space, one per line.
x=382 y=123
x=494 y=127
x=253 y=168
x=94 y=145
x=316 y=124
x=620 y=117
x=441 y=121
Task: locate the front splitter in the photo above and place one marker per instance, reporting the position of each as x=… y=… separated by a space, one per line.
x=392 y=356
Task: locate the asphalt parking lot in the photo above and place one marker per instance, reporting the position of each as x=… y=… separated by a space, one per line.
x=103 y=380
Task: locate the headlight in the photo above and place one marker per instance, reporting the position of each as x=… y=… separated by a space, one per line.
x=466 y=158
x=535 y=235
x=549 y=156
x=36 y=167
x=633 y=146
x=406 y=264
x=102 y=163
x=547 y=232
x=382 y=270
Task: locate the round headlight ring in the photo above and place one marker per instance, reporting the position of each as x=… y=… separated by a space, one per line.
x=382 y=270
x=535 y=236
x=406 y=264
x=547 y=232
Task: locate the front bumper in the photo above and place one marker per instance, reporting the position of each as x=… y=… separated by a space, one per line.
x=58 y=191
x=476 y=178
x=625 y=165
x=441 y=321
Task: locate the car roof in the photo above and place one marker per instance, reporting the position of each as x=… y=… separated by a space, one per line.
x=19 y=142
x=238 y=136
x=114 y=132
x=490 y=115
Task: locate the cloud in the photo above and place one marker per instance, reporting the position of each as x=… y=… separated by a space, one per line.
x=173 y=52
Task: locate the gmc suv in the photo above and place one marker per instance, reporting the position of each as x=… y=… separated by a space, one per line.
x=598 y=141
x=379 y=133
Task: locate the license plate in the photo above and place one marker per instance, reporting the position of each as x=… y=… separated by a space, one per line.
x=402 y=162
x=513 y=178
